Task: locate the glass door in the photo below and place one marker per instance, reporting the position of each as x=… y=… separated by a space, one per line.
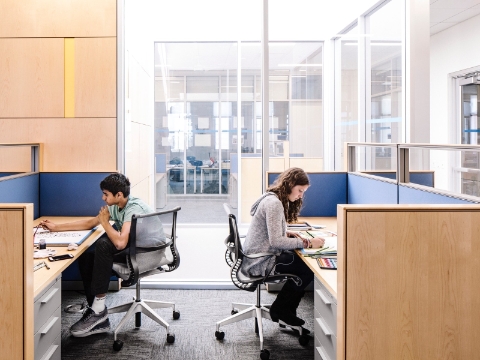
x=470 y=130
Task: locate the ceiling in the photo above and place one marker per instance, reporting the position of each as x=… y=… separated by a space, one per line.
x=447 y=13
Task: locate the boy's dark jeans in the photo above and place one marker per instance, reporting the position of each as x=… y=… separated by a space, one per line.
x=96 y=266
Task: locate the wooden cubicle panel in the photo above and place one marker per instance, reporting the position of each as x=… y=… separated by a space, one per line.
x=31 y=77
x=87 y=144
x=15 y=159
x=409 y=282
x=16 y=277
x=58 y=18
x=95 y=77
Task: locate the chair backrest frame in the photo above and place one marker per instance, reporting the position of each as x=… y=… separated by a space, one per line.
x=133 y=241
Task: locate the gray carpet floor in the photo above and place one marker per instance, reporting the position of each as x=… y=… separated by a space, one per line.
x=194 y=331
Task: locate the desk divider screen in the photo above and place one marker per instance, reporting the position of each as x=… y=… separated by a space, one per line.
x=325 y=192
x=425 y=178
x=71 y=194
x=366 y=190
x=409 y=195
x=23 y=188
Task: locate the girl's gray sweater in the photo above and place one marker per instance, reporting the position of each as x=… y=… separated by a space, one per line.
x=267 y=234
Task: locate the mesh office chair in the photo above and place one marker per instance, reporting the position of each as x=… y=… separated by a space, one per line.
x=234 y=258
x=142 y=262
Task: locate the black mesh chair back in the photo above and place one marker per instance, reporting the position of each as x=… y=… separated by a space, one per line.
x=152 y=243
x=152 y=250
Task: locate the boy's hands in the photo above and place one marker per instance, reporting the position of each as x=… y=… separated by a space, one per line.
x=103 y=215
x=48 y=225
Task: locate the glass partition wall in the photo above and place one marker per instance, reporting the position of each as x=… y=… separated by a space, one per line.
x=369 y=55
x=199 y=131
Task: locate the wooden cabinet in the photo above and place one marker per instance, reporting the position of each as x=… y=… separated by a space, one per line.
x=408 y=282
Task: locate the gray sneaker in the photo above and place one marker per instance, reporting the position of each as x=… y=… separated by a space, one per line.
x=91 y=323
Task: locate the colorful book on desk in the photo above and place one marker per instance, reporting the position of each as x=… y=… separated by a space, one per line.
x=62 y=238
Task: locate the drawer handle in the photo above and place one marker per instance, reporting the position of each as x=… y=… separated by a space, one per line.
x=321 y=353
x=51 y=351
x=324 y=298
x=49 y=296
x=324 y=327
x=47 y=327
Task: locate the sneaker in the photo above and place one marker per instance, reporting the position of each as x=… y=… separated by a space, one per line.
x=91 y=323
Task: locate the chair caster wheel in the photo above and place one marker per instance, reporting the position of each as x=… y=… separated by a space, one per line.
x=170 y=338
x=234 y=311
x=219 y=335
x=117 y=345
x=264 y=354
x=303 y=340
x=176 y=315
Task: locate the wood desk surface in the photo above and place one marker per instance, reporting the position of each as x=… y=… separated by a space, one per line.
x=43 y=276
x=327 y=277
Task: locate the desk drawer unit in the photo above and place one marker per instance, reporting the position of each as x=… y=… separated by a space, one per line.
x=47 y=322
x=47 y=334
x=325 y=324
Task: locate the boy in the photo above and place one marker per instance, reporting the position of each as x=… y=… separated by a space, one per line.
x=96 y=266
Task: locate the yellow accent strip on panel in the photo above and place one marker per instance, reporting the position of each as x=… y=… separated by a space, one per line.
x=69 y=77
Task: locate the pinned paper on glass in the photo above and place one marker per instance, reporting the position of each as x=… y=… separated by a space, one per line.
x=203 y=123
x=203 y=140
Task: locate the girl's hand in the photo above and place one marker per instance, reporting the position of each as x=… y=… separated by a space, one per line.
x=317 y=242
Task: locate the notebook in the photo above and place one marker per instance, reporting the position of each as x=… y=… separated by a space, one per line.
x=61 y=238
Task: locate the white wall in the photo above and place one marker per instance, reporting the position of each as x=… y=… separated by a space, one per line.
x=454 y=49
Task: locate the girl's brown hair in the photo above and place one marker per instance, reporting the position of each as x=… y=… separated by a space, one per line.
x=283 y=186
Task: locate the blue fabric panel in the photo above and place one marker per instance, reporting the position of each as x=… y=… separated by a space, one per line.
x=23 y=189
x=8 y=174
x=363 y=190
x=420 y=178
x=160 y=163
x=325 y=192
x=388 y=175
x=425 y=179
x=71 y=194
x=408 y=195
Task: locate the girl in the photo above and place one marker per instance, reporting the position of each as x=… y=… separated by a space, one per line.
x=268 y=233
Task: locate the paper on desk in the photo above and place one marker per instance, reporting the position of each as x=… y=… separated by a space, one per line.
x=329 y=247
x=61 y=238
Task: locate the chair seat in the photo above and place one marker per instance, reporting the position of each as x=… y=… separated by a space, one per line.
x=149 y=263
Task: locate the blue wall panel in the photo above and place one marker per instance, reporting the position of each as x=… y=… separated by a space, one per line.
x=325 y=192
x=408 y=195
x=71 y=194
x=363 y=190
x=24 y=189
x=420 y=178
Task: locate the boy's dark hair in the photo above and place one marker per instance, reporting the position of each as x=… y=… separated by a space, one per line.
x=116 y=183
